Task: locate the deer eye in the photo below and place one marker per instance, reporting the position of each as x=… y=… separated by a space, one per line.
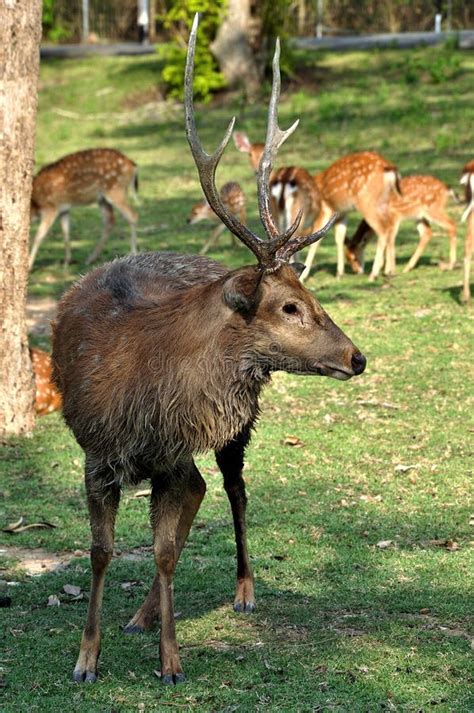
x=290 y=308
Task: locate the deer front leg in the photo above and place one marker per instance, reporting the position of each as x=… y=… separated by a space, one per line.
x=103 y=504
x=231 y=462
x=48 y=216
x=65 y=227
x=425 y=233
x=214 y=237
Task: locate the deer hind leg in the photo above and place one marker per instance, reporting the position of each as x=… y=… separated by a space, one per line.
x=65 y=227
x=103 y=504
x=340 y=231
x=118 y=197
x=390 y=261
x=468 y=246
x=425 y=233
x=149 y=611
x=48 y=216
x=176 y=498
x=214 y=237
x=231 y=461
x=108 y=219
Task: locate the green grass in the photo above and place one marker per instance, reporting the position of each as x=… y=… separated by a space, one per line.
x=341 y=623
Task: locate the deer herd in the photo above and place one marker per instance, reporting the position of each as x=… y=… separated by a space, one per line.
x=159 y=356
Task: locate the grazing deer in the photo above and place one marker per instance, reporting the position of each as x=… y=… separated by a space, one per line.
x=467 y=180
x=233 y=198
x=360 y=181
x=162 y=356
x=47 y=397
x=82 y=178
x=424 y=199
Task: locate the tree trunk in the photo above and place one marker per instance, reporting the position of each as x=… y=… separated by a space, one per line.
x=233 y=51
x=20 y=34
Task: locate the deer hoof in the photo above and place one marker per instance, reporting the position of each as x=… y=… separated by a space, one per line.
x=244 y=607
x=84 y=676
x=173 y=679
x=133 y=629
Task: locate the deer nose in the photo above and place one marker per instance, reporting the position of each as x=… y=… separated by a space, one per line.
x=358 y=363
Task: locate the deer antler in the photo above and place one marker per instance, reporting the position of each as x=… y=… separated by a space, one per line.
x=278 y=248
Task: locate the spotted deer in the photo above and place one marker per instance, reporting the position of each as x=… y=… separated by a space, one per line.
x=423 y=199
x=47 y=397
x=161 y=356
x=82 y=178
x=292 y=188
x=244 y=145
x=233 y=198
x=361 y=181
x=467 y=180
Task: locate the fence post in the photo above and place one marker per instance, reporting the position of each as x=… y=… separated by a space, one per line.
x=320 y=25
x=85 y=20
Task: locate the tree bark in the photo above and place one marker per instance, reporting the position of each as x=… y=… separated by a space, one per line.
x=233 y=51
x=20 y=34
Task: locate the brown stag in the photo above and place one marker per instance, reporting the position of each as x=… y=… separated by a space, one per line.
x=162 y=356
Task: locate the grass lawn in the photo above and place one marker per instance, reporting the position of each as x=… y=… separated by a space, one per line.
x=361 y=535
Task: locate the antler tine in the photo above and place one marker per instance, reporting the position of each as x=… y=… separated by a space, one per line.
x=292 y=246
x=274 y=139
x=207 y=163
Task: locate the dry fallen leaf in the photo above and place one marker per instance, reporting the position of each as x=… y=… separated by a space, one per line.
x=450 y=545
x=293 y=441
x=400 y=468
x=53 y=601
x=383 y=544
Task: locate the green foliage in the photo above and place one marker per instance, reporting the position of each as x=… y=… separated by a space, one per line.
x=178 y=20
x=437 y=68
x=54 y=28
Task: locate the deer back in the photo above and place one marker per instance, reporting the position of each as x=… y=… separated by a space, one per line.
x=419 y=196
x=79 y=178
x=356 y=179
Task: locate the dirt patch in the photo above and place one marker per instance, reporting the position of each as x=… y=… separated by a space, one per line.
x=39 y=313
x=37 y=561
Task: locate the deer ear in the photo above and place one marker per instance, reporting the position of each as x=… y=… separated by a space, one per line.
x=242 y=142
x=298 y=267
x=241 y=289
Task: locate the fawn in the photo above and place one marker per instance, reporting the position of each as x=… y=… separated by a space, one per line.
x=47 y=397
x=424 y=199
x=161 y=356
x=233 y=198
x=82 y=178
